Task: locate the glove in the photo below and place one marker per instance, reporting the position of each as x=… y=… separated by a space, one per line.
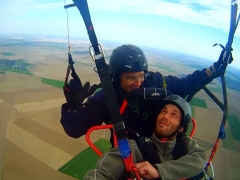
x=148 y=93
x=75 y=93
x=224 y=59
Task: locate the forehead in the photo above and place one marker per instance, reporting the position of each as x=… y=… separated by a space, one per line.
x=132 y=74
x=172 y=107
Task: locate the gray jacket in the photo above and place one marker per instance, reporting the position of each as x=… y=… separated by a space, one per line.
x=110 y=166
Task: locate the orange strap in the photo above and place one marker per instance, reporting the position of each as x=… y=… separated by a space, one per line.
x=131 y=167
x=214 y=149
x=194 y=127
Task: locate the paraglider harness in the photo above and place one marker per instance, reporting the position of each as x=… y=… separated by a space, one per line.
x=104 y=72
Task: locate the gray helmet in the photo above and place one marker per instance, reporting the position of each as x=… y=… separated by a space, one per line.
x=184 y=107
x=127 y=58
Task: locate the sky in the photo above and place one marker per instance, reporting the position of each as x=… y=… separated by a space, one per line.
x=188 y=26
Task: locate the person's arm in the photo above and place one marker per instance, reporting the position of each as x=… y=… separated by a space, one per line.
x=194 y=82
x=187 y=166
x=186 y=85
x=94 y=112
x=110 y=166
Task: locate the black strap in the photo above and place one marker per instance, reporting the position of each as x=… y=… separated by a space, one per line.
x=148 y=150
x=224 y=106
x=84 y=10
x=103 y=70
x=70 y=67
x=180 y=149
x=151 y=76
x=233 y=24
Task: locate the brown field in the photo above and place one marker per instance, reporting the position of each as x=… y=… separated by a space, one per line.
x=33 y=144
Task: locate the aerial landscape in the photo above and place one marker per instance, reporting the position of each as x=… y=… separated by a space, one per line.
x=33 y=142
x=177 y=37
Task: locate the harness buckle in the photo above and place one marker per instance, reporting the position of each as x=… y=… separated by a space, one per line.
x=93 y=55
x=206 y=174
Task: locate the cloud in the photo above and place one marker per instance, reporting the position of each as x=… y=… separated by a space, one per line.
x=212 y=13
x=49 y=17
x=32 y=17
x=15 y=7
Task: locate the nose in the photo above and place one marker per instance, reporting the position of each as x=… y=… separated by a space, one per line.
x=166 y=116
x=138 y=82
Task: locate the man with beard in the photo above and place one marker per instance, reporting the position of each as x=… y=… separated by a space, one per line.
x=168 y=154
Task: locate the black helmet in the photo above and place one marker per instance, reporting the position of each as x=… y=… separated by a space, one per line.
x=184 y=107
x=127 y=58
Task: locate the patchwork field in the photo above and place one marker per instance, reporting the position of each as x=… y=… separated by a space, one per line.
x=33 y=144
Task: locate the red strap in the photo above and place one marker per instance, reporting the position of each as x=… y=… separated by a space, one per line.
x=130 y=167
x=193 y=128
x=123 y=107
x=134 y=170
x=128 y=163
x=214 y=149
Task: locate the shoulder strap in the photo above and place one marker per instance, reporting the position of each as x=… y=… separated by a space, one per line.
x=148 y=150
x=180 y=149
x=152 y=77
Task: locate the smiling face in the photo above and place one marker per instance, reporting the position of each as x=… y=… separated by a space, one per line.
x=168 y=121
x=131 y=81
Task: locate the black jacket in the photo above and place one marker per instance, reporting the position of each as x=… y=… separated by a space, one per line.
x=139 y=115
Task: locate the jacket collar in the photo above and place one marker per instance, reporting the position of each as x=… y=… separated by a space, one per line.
x=163 y=146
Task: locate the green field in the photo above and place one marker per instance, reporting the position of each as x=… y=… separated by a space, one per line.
x=4 y=69
x=8 y=54
x=53 y=82
x=56 y=83
x=234 y=125
x=16 y=66
x=85 y=160
x=228 y=142
x=198 y=102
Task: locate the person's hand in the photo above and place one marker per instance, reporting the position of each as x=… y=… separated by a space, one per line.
x=75 y=93
x=224 y=59
x=146 y=170
x=148 y=93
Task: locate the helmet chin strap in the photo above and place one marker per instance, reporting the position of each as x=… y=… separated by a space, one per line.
x=173 y=134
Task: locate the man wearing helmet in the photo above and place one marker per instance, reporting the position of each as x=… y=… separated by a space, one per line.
x=158 y=157
x=129 y=67
x=131 y=78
